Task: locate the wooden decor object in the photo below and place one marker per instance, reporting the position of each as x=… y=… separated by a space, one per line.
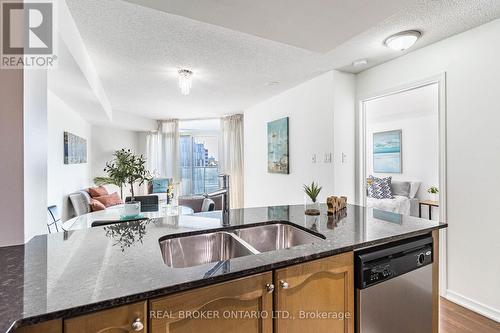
x=336 y=204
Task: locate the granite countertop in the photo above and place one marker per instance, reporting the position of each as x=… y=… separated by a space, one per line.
x=71 y=273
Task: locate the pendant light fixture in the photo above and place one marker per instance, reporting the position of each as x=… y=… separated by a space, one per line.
x=185 y=81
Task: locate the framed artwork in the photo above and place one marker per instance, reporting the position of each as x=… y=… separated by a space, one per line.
x=75 y=149
x=387 y=152
x=277 y=146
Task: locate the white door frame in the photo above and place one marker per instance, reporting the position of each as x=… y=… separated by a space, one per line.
x=440 y=80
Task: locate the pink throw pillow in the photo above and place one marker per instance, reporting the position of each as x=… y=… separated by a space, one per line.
x=98 y=191
x=109 y=200
x=96 y=205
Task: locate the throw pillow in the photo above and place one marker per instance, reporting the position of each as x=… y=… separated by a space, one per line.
x=380 y=188
x=414 y=189
x=98 y=191
x=109 y=200
x=400 y=188
x=160 y=185
x=96 y=205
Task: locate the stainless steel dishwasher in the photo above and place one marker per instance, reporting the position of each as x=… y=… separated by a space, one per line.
x=394 y=287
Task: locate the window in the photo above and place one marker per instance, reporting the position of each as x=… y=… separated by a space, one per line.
x=199 y=163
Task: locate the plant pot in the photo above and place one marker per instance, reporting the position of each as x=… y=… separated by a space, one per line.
x=131 y=208
x=310 y=207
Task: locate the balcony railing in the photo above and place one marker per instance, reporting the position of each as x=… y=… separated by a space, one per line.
x=199 y=180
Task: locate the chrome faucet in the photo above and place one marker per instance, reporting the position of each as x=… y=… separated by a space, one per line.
x=224 y=191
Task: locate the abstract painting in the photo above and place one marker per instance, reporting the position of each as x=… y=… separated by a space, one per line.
x=75 y=149
x=387 y=152
x=277 y=146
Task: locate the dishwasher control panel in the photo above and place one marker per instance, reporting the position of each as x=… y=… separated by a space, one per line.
x=384 y=263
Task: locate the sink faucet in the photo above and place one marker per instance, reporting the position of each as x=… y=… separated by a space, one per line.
x=224 y=191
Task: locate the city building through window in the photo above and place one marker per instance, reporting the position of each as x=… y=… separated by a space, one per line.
x=199 y=156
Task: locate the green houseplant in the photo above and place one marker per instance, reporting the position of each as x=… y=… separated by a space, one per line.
x=312 y=191
x=434 y=192
x=125 y=168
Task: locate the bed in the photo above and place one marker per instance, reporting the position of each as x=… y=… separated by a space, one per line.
x=404 y=201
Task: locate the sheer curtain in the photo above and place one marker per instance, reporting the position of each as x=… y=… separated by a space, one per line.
x=231 y=156
x=163 y=150
x=169 y=130
x=153 y=149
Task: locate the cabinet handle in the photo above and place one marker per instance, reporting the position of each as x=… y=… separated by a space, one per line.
x=137 y=325
x=284 y=284
x=269 y=288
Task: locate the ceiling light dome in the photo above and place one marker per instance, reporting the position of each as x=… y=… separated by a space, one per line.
x=403 y=40
x=185 y=76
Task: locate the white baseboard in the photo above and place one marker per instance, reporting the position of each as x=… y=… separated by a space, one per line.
x=477 y=307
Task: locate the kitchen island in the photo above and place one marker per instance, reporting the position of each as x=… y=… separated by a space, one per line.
x=57 y=277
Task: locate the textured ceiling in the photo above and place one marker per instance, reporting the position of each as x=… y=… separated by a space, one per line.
x=137 y=51
x=316 y=25
x=70 y=85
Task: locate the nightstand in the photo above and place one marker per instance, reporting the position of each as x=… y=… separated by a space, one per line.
x=429 y=203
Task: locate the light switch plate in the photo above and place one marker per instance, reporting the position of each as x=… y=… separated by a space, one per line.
x=313 y=158
x=328 y=158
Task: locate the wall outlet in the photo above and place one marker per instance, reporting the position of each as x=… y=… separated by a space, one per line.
x=313 y=158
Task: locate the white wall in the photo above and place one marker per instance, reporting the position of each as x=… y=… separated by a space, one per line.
x=344 y=130
x=64 y=179
x=415 y=112
x=102 y=141
x=11 y=152
x=105 y=141
x=470 y=61
x=310 y=108
x=35 y=153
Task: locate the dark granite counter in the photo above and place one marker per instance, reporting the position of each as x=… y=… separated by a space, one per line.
x=71 y=273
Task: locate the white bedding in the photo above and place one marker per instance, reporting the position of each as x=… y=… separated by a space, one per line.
x=399 y=204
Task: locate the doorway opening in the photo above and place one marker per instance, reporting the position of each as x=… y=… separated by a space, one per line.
x=365 y=127
x=402 y=152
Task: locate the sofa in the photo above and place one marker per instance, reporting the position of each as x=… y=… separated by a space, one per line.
x=80 y=201
x=199 y=203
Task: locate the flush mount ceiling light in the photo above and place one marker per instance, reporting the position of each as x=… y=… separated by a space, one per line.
x=272 y=83
x=402 y=40
x=359 y=62
x=185 y=76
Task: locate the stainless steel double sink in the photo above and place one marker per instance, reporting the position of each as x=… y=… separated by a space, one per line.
x=188 y=251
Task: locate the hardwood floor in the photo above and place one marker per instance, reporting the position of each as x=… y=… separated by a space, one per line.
x=456 y=319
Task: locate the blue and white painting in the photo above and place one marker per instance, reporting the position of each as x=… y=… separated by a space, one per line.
x=75 y=149
x=277 y=146
x=387 y=152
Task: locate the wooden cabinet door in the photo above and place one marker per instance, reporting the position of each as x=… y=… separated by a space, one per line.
x=242 y=306
x=316 y=296
x=51 y=326
x=123 y=319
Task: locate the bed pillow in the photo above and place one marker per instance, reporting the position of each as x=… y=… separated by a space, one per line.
x=380 y=188
x=400 y=188
x=414 y=186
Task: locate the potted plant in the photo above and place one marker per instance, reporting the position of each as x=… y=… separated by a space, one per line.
x=434 y=192
x=311 y=198
x=125 y=168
